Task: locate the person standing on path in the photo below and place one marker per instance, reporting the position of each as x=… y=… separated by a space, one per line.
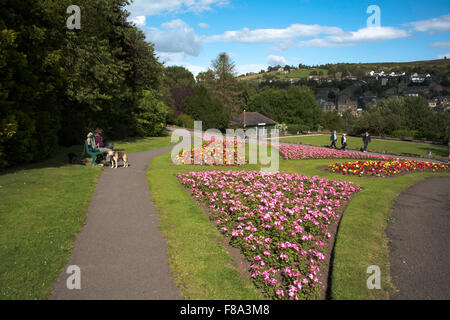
x=344 y=141
x=333 y=139
x=366 y=140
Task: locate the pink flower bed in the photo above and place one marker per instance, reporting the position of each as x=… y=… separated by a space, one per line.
x=295 y=152
x=279 y=221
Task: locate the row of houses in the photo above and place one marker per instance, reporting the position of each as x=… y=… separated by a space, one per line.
x=333 y=99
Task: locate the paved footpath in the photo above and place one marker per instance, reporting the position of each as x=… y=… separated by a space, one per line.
x=120 y=251
x=420 y=241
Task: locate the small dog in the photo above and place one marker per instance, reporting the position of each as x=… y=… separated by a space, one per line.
x=116 y=156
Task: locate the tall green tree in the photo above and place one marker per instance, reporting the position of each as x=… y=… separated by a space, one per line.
x=202 y=107
x=225 y=87
x=31 y=81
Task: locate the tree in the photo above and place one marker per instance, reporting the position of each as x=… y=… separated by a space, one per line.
x=31 y=82
x=296 y=106
x=58 y=83
x=178 y=84
x=150 y=115
x=223 y=67
x=202 y=107
x=225 y=87
x=333 y=121
x=178 y=77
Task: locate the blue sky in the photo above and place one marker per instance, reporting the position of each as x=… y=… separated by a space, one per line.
x=257 y=34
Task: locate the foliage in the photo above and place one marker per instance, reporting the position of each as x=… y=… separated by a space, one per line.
x=222 y=85
x=58 y=83
x=30 y=82
x=150 y=116
x=185 y=121
x=296 y=106
x=387 y=116
x=202 y=107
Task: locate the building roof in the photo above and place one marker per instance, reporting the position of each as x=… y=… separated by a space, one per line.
x=253 y=119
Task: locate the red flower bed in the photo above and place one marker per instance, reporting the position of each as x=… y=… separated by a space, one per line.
x=386 y=168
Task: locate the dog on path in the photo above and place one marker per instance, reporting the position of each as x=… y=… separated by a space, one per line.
x=118 y=156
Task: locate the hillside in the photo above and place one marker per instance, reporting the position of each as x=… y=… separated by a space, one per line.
x=439 y=67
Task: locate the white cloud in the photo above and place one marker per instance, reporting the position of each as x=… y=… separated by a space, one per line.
x=442 y=56
x=290 y=33
x=432 y=25
x=443 y=44
x=203 y=25
x=323 y=36
x=246 y=68
x=139 y=20
x=372 y=34
x=276 y=60
x=175 y=37
x=155 y=7
x=192 y=68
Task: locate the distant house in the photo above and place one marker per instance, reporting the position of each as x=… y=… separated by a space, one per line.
x=345 y=102
x=433 y=103
x=249 y=120
x=416 y=78
x=327 y=106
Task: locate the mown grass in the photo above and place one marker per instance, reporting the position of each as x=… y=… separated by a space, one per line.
x=201 y=266
x=42 y=209
x=203 y=269
x=377 y=145
x=133 y=145
x=361 y=240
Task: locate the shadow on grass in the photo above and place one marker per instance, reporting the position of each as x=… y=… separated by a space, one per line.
x=59 y=159
x=439 y=151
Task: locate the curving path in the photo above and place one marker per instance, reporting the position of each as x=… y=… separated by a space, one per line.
x=420 y=241
x=120 y=251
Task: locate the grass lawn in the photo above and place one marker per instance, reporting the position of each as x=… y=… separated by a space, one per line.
x=381 y=146
x=141 y=144
x=43 y=208
x=204 y=270
x=202 y=267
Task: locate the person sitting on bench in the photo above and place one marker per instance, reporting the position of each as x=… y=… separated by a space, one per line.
x=100 y=145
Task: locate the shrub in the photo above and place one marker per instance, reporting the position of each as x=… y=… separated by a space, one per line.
x=150 y=115
x=406 y=133
x=294 y=128
x=185 y=121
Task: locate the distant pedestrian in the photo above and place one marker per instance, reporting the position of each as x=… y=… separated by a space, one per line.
x=333 y=139
x=344 y=141
x=430 y=155
x=366 y=140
